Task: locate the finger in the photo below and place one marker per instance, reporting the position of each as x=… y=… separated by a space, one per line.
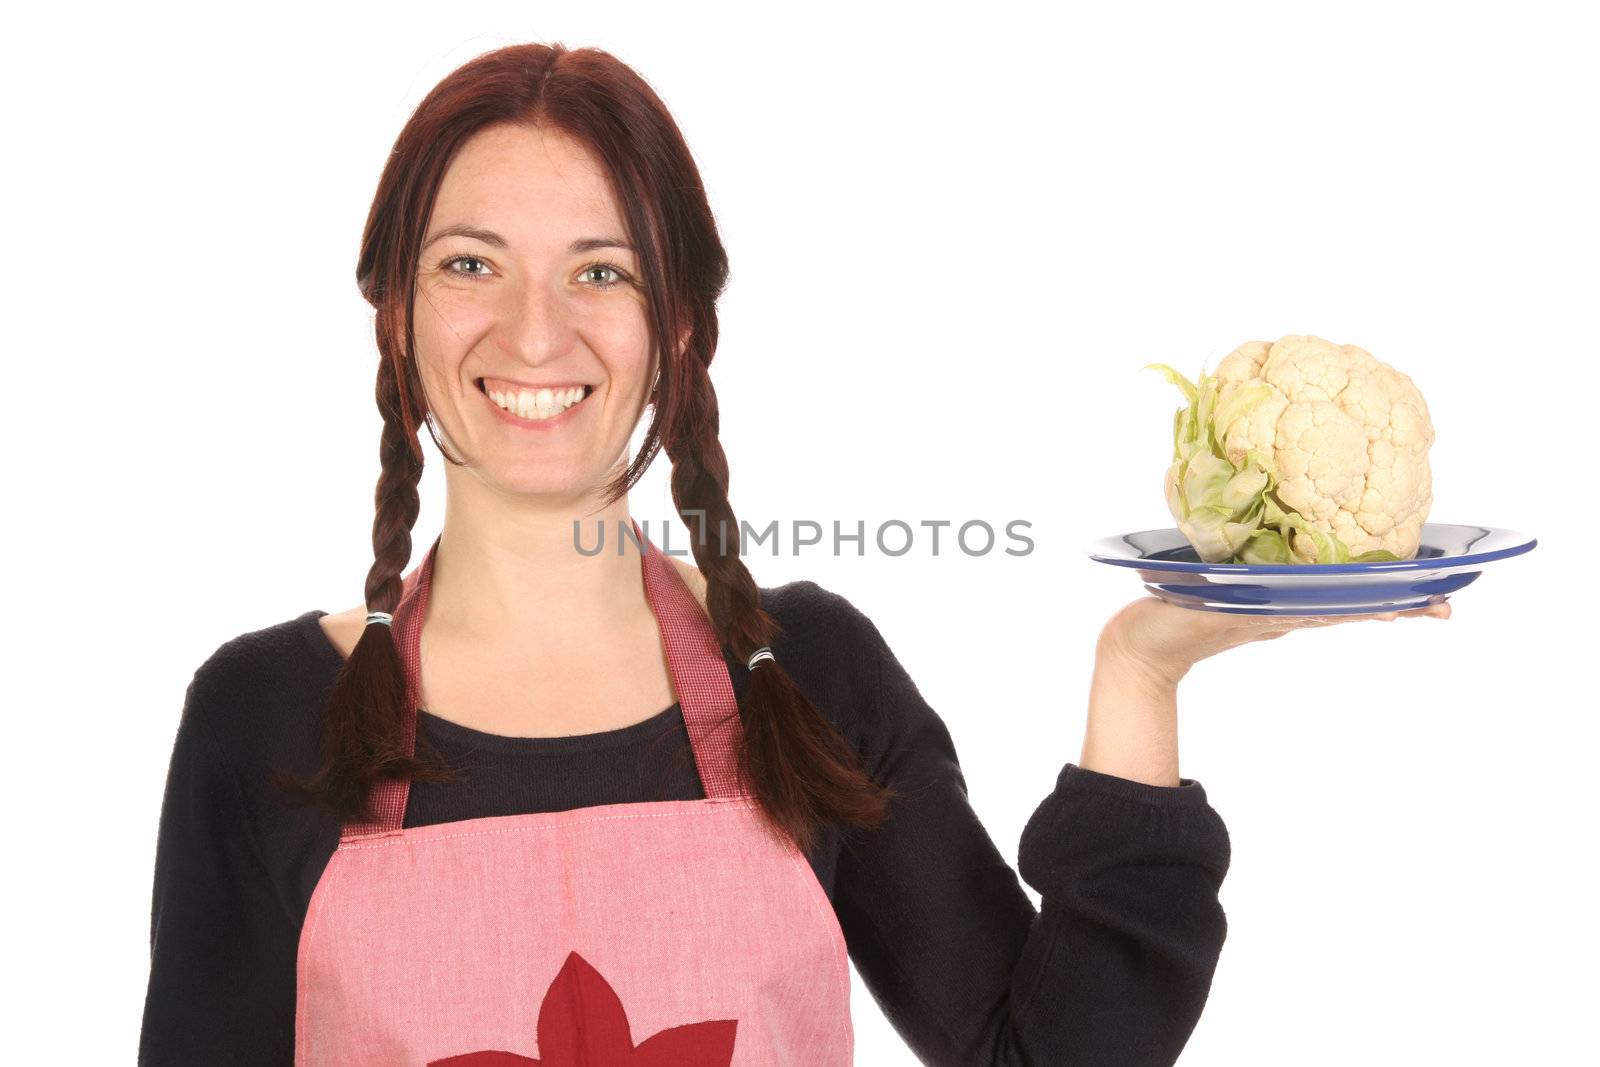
x=1440 y=610
x=1334 y=620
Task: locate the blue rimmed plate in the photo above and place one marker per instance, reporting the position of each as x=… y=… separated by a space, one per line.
x=1448 y=558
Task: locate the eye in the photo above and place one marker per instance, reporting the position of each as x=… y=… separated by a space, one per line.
x=465 y=259
x=622 y=276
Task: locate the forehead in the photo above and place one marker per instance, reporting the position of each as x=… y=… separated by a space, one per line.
x=532 y=184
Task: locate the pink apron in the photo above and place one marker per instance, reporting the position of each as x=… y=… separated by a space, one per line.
x=681 y=932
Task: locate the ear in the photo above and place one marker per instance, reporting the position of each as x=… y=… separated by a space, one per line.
x=686 y=332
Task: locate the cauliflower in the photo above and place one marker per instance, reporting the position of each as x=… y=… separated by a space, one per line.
x=1300 y=451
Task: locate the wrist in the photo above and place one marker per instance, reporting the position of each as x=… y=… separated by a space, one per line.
x=1125 y=657
x=1132 y=726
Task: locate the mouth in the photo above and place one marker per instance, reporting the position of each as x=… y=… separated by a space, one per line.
x=529 y=406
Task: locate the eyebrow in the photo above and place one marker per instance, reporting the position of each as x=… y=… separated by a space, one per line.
x=489 y=237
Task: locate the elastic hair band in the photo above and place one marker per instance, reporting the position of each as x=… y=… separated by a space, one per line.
x=762 y=653
x=379 y=616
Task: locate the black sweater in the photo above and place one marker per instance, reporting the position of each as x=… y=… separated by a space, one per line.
x=1113 y=969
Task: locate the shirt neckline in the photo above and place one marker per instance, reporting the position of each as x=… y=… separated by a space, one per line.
x=465 y=736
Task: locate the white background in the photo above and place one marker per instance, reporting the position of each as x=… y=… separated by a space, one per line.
x=956 y=235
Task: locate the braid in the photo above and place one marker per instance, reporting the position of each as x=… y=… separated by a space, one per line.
x=700 y=488
x=795 y=761
x=396 y=499
x=367 y=717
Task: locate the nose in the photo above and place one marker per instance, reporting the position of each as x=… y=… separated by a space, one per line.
x=536 y=326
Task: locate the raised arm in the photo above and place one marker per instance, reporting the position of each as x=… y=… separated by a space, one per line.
x=1115 y=966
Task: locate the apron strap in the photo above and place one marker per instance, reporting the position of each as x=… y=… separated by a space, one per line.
x=699 y=674
x=694 y=659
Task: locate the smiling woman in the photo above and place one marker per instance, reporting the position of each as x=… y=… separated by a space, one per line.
x=453 y=824
x=476 y=282
x=533 y=359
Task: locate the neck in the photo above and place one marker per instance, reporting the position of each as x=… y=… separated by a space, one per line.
x=519 y=574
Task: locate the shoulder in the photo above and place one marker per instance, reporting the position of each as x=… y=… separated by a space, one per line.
x=830 y=648
x=231 y=840
x=259 y=695
x=813 y=615
x=258 y=658
x=838 y=657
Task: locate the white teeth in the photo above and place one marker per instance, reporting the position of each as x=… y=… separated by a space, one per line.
x=538 y=403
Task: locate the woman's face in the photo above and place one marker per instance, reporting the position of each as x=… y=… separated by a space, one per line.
x=542 y=294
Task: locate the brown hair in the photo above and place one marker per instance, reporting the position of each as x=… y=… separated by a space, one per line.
x=801 y=770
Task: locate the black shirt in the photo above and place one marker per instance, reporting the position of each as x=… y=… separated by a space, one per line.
x=1113 y=968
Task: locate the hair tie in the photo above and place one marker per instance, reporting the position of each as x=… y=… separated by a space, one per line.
x=379 y=616
x=762 y=653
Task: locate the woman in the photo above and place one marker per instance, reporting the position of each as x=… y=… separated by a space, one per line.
x=503 y=851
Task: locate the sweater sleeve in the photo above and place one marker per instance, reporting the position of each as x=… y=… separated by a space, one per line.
x=1113 y=968
x=218 y=937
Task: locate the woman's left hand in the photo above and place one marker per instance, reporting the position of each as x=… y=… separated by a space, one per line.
x=1167 y=640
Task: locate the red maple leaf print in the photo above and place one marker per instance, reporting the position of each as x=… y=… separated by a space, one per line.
x=582 y=1023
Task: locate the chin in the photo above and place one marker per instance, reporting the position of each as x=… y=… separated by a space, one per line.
x=547 y=486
